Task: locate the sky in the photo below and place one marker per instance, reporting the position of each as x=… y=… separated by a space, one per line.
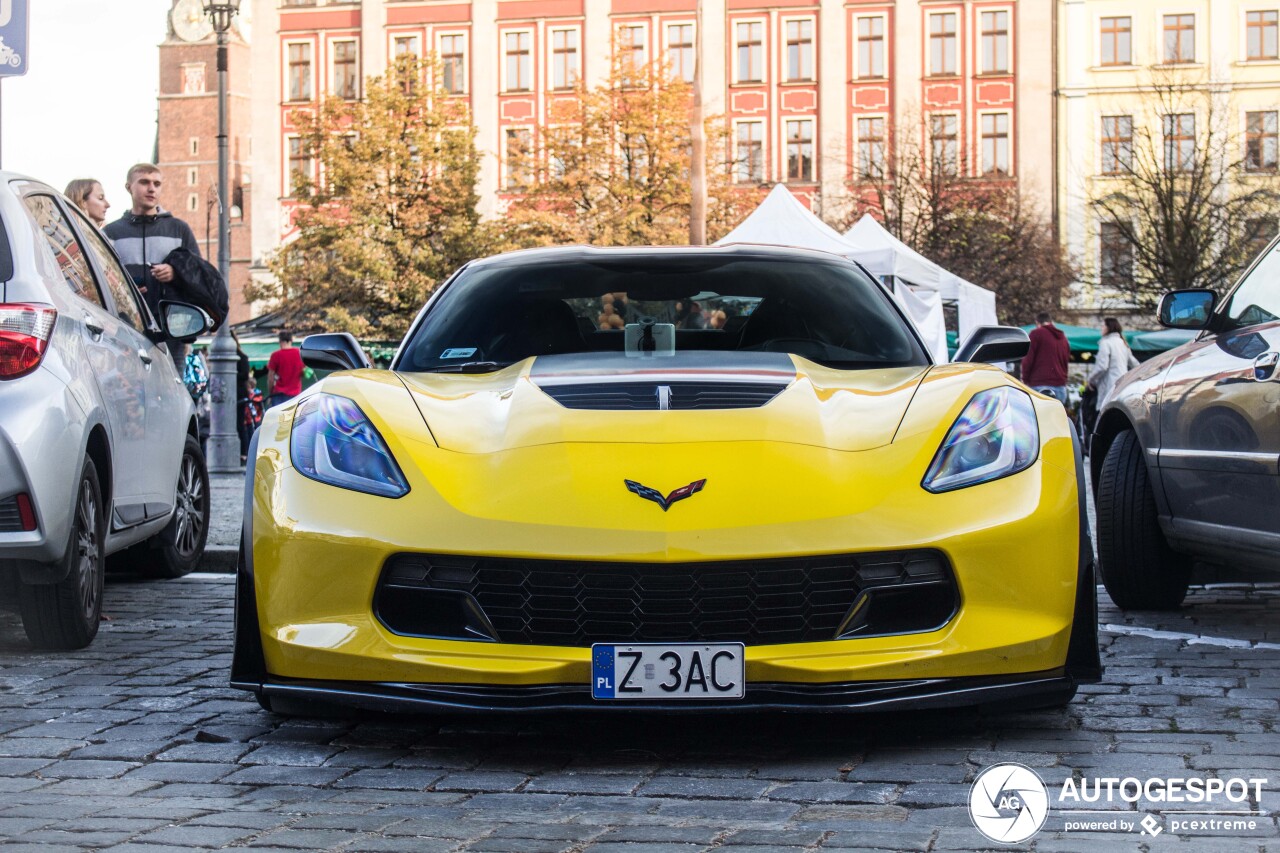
x=87 y=106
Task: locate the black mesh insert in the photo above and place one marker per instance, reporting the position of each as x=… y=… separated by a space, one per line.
x=681 y=395
x=10 y=517
x=757 y=602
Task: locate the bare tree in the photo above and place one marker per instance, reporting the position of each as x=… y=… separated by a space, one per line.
x=1184 y=203
x=980 y=227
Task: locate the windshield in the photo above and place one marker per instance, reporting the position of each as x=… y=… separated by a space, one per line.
x=1257 y=298
x=654 y=305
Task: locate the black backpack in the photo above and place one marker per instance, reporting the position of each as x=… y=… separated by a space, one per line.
x=197 y=281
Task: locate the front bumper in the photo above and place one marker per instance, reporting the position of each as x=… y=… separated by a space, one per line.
x=1005 y=692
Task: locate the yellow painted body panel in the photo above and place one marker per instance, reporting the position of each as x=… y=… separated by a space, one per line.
x=548 y=483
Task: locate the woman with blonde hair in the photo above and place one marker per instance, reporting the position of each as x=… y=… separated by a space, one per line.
x=87 y=194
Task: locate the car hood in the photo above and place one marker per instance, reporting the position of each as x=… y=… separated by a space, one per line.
x=606 y=398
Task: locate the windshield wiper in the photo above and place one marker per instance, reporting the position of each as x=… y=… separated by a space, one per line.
x=470 y=367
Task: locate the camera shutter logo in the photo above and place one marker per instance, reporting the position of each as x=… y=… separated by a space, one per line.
x=1008 y=803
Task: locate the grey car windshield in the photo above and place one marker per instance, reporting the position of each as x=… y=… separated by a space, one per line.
x=498 y=313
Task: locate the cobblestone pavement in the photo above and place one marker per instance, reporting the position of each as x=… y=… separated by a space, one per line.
x=138 y=744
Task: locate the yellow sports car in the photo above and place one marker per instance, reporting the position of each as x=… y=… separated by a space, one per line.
x=679 y=479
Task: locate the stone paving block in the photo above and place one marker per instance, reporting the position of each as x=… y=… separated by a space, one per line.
x=522 y=845
x=198 y=836
x=79 y=840
x=39 y=747
x=642 y=847
x=183 y=771
x=728 y=813
x=834 y=792
x=482 y=781
x=290 y=754
x=380 y=844
x=98 y=787
x=365 y=757
x=22 y=766
x=393 y=779
x=693 y=835
x=273 y=774
x=584 y=783
x=12 y=827
x=303 y=839
x=879 y=839
x=215 y=753
x=87 y=769
x=717 y=788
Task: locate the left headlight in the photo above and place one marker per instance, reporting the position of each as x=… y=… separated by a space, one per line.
x=333 y=442
x=996 y=435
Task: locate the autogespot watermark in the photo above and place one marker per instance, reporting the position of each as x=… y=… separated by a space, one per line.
x=1009 y=803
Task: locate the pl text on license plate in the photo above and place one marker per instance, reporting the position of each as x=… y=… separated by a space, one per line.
x=671 y=671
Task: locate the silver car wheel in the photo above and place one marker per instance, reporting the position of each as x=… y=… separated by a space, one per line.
x=87 y=550
x=190 y=508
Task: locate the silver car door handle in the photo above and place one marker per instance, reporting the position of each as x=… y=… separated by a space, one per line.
x=146 y=359
x=1264 y=366
x=95 y=328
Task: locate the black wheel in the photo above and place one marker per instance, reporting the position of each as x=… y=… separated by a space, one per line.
x=178 y=549
x=66 y=615
x=1139 y=569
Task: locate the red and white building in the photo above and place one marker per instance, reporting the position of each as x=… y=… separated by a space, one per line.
x=810 y=90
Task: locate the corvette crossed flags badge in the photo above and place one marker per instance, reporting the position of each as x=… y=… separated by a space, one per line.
x=656 y=496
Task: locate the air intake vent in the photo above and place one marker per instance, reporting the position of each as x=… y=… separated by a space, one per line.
x=10 y=516
x=673 y=395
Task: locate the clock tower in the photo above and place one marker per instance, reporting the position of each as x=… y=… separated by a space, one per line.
x=187 y=135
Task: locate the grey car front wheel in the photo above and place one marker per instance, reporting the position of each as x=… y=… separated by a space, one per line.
x=1139 y=569
x=66 y=615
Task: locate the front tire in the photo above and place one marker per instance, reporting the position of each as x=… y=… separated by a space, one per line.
x=178 y=549
x=66 y=615
x=1139 y=569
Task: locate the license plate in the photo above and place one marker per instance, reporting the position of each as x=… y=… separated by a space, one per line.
x=671 y=671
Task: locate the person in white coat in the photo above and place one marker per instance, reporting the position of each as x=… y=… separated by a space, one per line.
x=1114 y=360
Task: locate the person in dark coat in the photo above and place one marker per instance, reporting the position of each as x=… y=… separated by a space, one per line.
x=1045 y=367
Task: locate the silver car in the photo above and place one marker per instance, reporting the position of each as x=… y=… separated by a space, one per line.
x=98 y=440
x=1186 y=453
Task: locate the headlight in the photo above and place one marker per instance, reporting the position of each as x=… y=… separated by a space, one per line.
x=996 y=435
x=333 y=442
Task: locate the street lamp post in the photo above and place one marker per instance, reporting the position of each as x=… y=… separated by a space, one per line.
x=224 y=440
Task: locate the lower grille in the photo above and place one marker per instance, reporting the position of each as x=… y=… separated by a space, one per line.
x=10 y=516
x=677 y=395
x=757 y=602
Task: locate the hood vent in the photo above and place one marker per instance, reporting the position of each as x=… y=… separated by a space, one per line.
x=661 y=396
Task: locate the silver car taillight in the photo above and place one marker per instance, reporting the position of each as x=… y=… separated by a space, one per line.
x=25 y=330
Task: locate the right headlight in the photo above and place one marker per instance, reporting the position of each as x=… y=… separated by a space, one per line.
x=996 y=435
x=333 y=442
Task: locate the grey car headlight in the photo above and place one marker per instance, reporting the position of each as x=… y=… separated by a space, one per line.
x=333 y=442
x=996 y=435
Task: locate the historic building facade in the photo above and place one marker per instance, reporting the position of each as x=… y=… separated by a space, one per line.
x=187 y=138
x=811 y=91
x=1134 y=74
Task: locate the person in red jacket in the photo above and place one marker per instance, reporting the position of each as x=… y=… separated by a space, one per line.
x=1045 y=367
x=284 y=371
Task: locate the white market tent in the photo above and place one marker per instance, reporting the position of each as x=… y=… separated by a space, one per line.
x=888 y=257
x=781 y=220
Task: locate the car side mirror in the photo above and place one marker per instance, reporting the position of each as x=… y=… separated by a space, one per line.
x=1186 y=309
x=994 y=344
x=183 y=323
x=333 y=351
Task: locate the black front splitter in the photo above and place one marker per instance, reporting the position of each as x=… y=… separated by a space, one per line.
x=1009 y=692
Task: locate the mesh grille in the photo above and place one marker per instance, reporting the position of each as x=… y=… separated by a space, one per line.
x=10 y=518
x=569 y=603
x=683 y=395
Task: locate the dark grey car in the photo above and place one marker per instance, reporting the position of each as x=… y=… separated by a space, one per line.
x=98 y=448
x=1186 y=453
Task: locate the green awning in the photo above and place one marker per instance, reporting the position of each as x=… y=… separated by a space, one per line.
x=1160 y=341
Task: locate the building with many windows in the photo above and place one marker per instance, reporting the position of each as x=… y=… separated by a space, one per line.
x=1136 y=75
x=811 y=90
